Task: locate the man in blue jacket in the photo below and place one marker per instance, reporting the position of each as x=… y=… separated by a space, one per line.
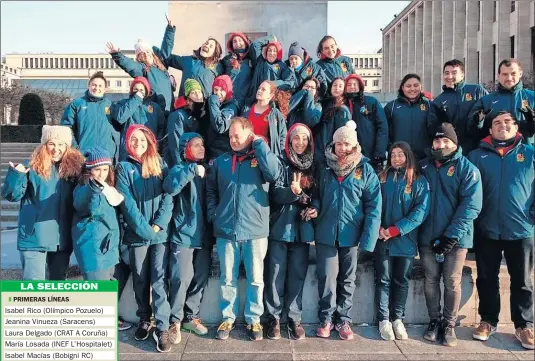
x=505 y=225
x=237 y=192
x=510 y=96
x=447 y=233
x=456 y=101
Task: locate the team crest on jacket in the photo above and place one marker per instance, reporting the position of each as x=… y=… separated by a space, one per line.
x=309 y=71
x=358 y=174
x=211 y=66
x=276 y=67
x=344 y=67
x=520 y=157
x=451 y=171
x=254 y=163
x=149 y=109
x=211 y=162
x=422 y=107
x=107 y=110
x=364 y=110
x=468 y=97
x=524 y=103
x=408 y=189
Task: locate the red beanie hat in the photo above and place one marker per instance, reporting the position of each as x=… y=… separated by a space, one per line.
x=224 y=81
x=142 y=80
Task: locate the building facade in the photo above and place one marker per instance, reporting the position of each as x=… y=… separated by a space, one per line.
x=369 y=67
x=480 y=33
x=289 y=21
x=67 y=72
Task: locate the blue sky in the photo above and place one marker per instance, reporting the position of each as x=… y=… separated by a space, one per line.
x=85 y=26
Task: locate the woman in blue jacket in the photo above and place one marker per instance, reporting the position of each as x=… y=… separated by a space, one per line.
x=191 y=238
x=411 y=116
x=44 y=186
x=300 y=62
x=405 y=196
x=138 y=109
x=148 y=65
x=348 y=211
x=334 y=115
x=290 y=233
x=268 y=115
x=333 y=63
x=305 y=107
x=239 y=66
x=147 y=211
x=89 y=118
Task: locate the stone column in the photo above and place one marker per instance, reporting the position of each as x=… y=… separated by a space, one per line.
x=427 y=41
x=411 y=38
x=471 y=60
x=485 y=46
x=392 y=60
x=386 y=65
x=448 y=31
x=436 y=82
x=459 y=29
x=503 y=43
x=399 y=71
x=523 y=33
x=419 y=40
x=404 y=46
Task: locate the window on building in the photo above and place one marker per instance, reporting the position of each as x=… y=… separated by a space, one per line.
x=76 y=65
x=92 y=65
x=365 y=83
x=107 y=63
x=479 y=15
x=513 y=6
x=493 y=63
x=61 y=63
x=107 y=83
x=41 y=62
x=46 y=63
x=494 y=9
x=376 y=62
x=71 y=63
x=26 y=62
x=512 y=46
x=376 y=82
x=118 y=83
x=31 y=62
x=55 y=63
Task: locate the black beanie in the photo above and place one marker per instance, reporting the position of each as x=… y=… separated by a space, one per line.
x=445 y=130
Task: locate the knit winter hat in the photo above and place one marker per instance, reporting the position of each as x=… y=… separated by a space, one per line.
x=299 y=129
x=57 y=132
x=191 y=85
x=142 y=46
x=445 y=130
x=142 y=80
x=224 y=81
x=95 y=157
x=296 y=49
x=347 y=133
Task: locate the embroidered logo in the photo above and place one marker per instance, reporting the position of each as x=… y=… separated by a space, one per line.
x=451 y=171
x=364 y=110
x=468 y=97
x=422 y=107
x=107 y=110
x=309 y=71
x=150 y=109
x=344 y=67
x=520 y=157
x=358 y=174
x=524 y=103
x=276 y=67
x=408 y=189
x=254 y=163
x=494 y=102
x=211 y=162
x=211 y=66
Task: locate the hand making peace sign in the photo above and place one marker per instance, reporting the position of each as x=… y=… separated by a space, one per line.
x=296 y=184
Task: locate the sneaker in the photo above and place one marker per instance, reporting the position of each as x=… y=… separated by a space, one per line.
x=324 y=331
x=399 y=330
x=274 y=329
x=162 y=340
x=142 y=332
x=223 y=331
x=254 y=332
x=432 y=330
x=296 y=331
x=195 y=325
x=449 y=338
x=174 y=333
x=385 y=329
x=122 y=325
x=344 y=331
x=483 y=331
x=525 y=336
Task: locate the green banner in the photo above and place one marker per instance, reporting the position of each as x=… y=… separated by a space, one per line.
x=59 y=286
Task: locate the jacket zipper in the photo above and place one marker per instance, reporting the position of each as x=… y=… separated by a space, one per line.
x=236 y=200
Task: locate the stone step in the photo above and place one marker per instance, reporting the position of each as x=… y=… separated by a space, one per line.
x=6 y=205
x=8 y=224
x=31 y=146
x=9 y=215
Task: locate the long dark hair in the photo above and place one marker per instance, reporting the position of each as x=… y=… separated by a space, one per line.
x=318 y=85
x=412 y=171
x=332 y=104
x=214 y=59
x=404 y=80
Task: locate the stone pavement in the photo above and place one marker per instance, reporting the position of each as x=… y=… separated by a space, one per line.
x=367 y=345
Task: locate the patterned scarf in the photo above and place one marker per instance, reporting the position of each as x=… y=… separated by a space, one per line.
x=344 y=165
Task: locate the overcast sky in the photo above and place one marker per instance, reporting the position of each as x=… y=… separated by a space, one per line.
x=84 y=27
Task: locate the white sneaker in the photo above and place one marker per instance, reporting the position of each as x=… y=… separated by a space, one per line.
x=399 y=330
x=385 y=329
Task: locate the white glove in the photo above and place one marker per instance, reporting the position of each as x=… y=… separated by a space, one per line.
x=113 y=197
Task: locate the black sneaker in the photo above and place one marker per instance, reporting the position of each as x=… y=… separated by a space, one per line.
x=223 y=331
x=274 y=329
x=123 y=325
x=432 y=331
x=162 y=340
x=254 y=332
x=449 y=337
x=142 y=332
x=295 y=330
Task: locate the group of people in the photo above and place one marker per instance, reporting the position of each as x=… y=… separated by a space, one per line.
x=260 y=157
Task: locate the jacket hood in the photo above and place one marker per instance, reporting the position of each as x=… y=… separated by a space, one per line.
x=279 y=50
x=456 y=155
x=338 y=54
x=288 y=138
x=180 y=102
x=142 y=80
x=225 y=82
x=93 y=98
x=131 y=130
x=245 y=40
x=457 y=86
x=183 y=143
x=359 y=79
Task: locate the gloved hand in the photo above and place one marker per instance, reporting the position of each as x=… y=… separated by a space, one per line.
x=480 y=116
x=529 y=114
x=442 y=114
x=113 y=197
x=445 y=246
x=378 y=163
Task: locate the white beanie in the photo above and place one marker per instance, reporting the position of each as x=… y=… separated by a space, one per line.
x=347 y=133
x=56 y=132
x=142 y=46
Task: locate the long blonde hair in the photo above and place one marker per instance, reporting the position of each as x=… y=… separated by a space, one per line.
x=151 y=162
x=70 y=165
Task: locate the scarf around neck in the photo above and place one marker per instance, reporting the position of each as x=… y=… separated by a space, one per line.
x=344 y=165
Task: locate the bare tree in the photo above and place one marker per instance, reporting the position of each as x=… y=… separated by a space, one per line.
x=528 y=79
